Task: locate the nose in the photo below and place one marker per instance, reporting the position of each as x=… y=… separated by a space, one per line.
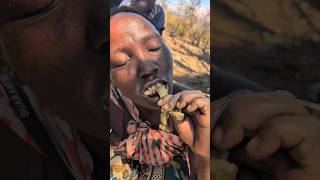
x=148 y=70
x=97 y=26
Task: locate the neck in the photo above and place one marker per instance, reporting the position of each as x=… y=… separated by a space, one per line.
x=151 y=115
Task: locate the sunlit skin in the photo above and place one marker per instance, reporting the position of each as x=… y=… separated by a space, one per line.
x=138 y=56
x=58 y=49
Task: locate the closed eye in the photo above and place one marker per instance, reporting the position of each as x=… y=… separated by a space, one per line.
x=122 y=64
x=154 y=49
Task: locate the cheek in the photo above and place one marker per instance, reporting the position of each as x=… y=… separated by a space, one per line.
x=49 y=45
x=53 y=56
x=125 y=79
x=166 y=63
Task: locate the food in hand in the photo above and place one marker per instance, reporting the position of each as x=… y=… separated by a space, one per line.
x=223 y=170
x=162 y=91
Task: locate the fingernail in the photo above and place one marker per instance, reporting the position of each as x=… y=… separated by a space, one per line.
x=178 y=105
x=189 y=108
x=253 y=145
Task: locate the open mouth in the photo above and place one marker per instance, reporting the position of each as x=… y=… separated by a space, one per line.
x=155 y=90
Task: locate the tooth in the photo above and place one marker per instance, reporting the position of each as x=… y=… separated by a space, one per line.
x=147 y=92
x=150 y=91
x=161 y=89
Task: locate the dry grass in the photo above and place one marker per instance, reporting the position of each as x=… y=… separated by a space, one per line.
x=191 y=64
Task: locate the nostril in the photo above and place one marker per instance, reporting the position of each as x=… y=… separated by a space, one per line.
x=148 y=71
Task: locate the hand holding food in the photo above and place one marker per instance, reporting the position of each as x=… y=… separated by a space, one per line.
x=271 y=122
x=162 y=91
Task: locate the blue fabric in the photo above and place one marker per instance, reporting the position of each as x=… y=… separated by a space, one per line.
x=159 y=20
x=171 y=173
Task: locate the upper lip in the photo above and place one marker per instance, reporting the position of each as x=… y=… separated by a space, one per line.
x=153 y=82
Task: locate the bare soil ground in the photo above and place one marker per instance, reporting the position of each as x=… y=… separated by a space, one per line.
x=191 y=64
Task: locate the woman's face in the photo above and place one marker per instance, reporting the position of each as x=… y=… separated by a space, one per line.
x=139 y=58
x=58 y=48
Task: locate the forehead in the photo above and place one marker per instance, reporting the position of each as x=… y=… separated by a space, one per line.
x=130 y=24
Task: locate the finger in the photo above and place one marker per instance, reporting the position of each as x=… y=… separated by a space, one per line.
x=187 y=97
x=195 y=136
x=232 y=131
x=163 y=100
x=282 y=131
x=171 y=103
x=217 y=137
x=199 y=103
x=174 y=103
x=185 y=130
x=168 y=102
x=253 y=109
x=232 y=135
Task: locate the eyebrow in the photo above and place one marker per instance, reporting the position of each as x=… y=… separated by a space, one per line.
x=150 y=36
x=144 y=39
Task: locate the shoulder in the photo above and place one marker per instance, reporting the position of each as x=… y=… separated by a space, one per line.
x=178 y=87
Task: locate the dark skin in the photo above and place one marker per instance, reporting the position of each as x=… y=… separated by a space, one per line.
x=144 y=6
x=270 y=132
x=139 y=56
x=58 y=49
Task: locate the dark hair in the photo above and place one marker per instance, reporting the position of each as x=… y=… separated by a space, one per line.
x=117 y=10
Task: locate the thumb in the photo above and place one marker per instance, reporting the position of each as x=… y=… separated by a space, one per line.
x=185 y=130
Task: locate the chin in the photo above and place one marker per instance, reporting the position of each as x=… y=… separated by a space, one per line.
x=149 y=105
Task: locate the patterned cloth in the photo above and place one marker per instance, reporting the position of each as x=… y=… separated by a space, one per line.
x=148 y=146
x=146 y=150
x=65 y=139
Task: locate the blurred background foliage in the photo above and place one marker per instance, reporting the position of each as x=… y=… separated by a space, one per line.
x=188 y=21
x=187 y=34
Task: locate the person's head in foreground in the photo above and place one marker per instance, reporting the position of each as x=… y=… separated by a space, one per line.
x=139 y=59
x=149 y=9
x=144 y=5
x=57 y=50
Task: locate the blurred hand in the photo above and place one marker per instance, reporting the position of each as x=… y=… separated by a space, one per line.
x=267 y=124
